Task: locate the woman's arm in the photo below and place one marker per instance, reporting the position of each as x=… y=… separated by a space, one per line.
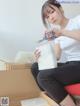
x=75 y=34
x=57 y=50
x=56 y=45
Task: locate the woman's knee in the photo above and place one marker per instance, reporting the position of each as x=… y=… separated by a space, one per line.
x=34 y=70
x=34 y=67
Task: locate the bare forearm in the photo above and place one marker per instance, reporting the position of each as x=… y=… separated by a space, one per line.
x=75 y=34
x=57 y=51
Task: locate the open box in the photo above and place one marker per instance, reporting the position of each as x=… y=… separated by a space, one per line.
x=17 y=83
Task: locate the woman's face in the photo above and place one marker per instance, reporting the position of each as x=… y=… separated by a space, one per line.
x=54 y=15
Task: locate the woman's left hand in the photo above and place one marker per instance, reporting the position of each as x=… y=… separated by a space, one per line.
x=58 y=32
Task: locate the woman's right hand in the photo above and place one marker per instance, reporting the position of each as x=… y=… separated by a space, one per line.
x=50 y=35
x=37 y=54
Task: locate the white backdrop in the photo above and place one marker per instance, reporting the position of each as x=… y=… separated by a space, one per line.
x=21 y=25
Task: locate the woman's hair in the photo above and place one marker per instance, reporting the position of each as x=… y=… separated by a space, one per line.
x=49 y=4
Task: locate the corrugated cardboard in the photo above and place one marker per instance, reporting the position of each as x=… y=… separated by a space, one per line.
x=17 y=83
x=17 y=66
x=2 y=65
x=50 y=101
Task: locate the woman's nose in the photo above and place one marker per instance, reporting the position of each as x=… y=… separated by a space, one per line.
x=51 y=18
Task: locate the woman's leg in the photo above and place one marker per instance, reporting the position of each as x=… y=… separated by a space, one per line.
x=35 y=71
x=67 y=101
x=54 y=80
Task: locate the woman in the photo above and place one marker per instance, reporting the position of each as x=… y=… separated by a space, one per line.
x=54 y=80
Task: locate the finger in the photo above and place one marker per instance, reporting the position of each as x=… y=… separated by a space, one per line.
x=36 y=51
x=48 y=34
x=37 y=54
x=37 y=57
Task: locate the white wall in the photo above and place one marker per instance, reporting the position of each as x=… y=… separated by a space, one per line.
x=21 y=25
x=71 y=10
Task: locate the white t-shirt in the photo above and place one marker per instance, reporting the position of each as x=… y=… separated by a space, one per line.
x=69 y=46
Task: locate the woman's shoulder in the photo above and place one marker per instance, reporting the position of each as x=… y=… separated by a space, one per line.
x=75 y=21
x=76 y=18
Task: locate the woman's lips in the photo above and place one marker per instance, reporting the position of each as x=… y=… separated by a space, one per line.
x=54 y=21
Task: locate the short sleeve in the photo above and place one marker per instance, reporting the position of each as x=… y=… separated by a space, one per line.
x=62 y=41
x=77 y=20
x=57 y=40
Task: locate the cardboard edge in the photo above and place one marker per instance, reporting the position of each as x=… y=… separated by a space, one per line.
x=50 y=101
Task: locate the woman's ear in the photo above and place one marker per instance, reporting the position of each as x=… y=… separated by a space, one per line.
x=61 y=9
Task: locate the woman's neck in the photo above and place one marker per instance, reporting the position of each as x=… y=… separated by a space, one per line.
x=64 y=22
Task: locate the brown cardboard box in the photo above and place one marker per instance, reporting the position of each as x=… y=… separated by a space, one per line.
x=17 y=83
x=16 y=66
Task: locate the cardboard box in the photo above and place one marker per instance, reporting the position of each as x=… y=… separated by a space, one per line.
x=18 y=84
x=17 y=66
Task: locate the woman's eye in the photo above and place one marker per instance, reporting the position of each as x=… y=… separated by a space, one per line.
x=52 y=12
x=47 y=17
